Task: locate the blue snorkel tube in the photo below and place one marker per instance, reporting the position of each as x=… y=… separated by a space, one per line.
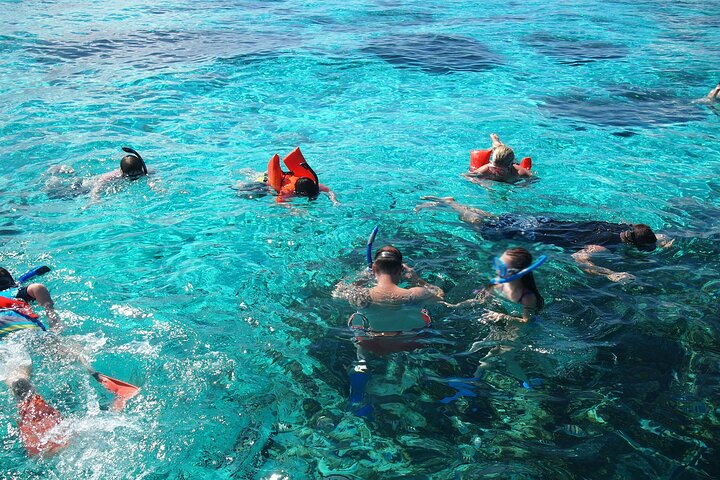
x=368 y=251
x=32 y=273
x=498 y=280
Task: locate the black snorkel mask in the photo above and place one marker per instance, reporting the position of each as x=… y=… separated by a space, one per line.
x=134 y=153
x=315 y=177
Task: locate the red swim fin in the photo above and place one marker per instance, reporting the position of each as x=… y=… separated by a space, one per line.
x=37 y=419
x=118 y=387
x=526 y=163
x=295 y=162
x=275 y=173
x=478 y=158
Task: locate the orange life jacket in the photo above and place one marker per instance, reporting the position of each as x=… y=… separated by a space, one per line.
x=284 y=182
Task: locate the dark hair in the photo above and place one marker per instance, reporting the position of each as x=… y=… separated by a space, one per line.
x=306 y=187
x=388 y=259
x=6 y=280
x=522 y=259
x=132 y=166
x=643 y=236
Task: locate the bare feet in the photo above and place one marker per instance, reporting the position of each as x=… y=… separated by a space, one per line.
x=438 y=199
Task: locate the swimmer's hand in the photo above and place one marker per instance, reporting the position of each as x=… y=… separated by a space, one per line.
x=410 y=275
x=621 y=277
x=663 y=241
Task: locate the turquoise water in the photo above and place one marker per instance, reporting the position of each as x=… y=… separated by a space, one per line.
x=220 y=307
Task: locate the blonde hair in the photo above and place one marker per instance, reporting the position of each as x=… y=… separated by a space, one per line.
x=503 y=156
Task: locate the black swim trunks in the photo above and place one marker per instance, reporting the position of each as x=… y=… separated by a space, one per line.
x=566 y=234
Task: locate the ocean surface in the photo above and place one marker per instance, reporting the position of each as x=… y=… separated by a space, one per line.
x=218 y=302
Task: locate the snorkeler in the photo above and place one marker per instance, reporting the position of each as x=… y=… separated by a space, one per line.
x=586 y=238
x=498 y=163
x=301 y=180
x=389 y=316
x=514 y=282
x=17 y=323
x=132 y=167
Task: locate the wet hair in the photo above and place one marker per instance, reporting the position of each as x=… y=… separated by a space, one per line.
x=131 y=166
x=306 y=187
x=389 y=260
x=643 y=237
x=21 y=388
x=521 y=259
x=6 y=280
x=503 y=156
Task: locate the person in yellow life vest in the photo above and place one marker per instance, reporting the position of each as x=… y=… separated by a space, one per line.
x=301 y=180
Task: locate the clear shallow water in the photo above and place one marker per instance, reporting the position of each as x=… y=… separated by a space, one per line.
x=220 y=306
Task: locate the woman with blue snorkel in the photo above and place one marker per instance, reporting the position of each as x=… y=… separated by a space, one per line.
x=514 y=282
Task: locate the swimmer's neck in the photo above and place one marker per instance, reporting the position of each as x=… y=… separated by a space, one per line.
x=510 y=289
x=385 y=280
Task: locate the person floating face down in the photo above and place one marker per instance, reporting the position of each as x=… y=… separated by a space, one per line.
x=132 y=167
x=498 y=163
x=300 y=180
x=585 y=238
x=515 y=282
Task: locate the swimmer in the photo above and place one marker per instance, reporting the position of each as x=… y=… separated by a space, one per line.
x=586 y=238
x=389 y=319
x=9 y=288
x=18 y=322
x=502 y=167
x=301 y=180
x=514 y=282
x=714 y=95
x=132 y=167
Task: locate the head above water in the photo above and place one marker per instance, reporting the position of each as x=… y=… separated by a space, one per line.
x=306 y=187
x=641 y=236
x=503 y=156
x=132 y=165
x=517 y=259
x=388 y=260
x=6 y=280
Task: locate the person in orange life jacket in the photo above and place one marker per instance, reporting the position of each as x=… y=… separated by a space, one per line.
x=514 y=282
x=301 y=180
x=501 y=168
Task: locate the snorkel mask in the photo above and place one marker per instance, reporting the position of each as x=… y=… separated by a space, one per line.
x=506 y=274
x=134 y=153
x=315 y=179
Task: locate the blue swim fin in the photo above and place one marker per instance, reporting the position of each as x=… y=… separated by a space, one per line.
x=359 y=377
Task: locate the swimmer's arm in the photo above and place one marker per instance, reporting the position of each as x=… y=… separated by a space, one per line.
x=496 y=142
x=422 y=291
x=329 y=192
x=40 y=293
x=478 y=172
x=582 y=258
x=522 y=172
x=663 y=241
x=101 y=181
x=480 y=298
